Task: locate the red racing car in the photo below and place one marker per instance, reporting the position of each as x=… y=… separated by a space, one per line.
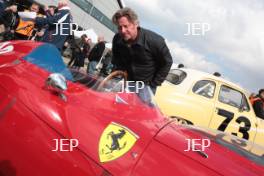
x=58 y=121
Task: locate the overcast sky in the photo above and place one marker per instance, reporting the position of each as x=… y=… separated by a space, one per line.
x=234 y=45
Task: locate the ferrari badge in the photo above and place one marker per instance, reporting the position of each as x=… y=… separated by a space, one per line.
x=115 y=141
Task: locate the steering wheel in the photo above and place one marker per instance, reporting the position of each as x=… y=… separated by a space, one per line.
x=111 y=76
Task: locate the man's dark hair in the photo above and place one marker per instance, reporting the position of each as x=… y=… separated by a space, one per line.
x=36 y=4
x=52 y=6
x=84 y=36
x=125 y=12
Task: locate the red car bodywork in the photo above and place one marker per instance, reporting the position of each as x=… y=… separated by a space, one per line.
x=31 y=117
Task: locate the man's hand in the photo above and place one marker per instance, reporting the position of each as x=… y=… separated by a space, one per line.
x=13 y=8
x=40 y=33
x=46 y=8
x=66 y=44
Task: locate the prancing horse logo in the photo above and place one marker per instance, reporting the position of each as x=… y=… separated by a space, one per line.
x=115 y=143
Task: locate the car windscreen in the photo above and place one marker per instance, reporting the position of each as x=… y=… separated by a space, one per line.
x=47 y=57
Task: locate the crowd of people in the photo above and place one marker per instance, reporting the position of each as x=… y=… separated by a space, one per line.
x=52 y=24
x=40 y=26
x=142 y=53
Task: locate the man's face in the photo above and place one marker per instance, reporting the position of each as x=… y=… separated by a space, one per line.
x=51 y=10
x=127 y=29
x=89 y=41
x=100 y=39
x=34 y=8
x=84 y=39
x=262 y=95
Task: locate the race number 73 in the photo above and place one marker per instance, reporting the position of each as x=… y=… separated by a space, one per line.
x=240 y=120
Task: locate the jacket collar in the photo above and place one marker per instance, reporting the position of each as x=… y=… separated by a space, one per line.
x=141 y=37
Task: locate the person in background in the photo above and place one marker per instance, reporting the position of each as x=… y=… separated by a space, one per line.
x=258 y=104
x=8 y=22
x=85 y=45
x=26 y=26
x=50 y=10
x=7 y=5
x=44 y=34
x=95 y=55
x=59 y=25
x=251 y=97
x=74 y=47
x=107 y=63
x=84 y=48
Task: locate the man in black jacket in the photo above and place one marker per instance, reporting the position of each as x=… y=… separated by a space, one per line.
x=141 y=52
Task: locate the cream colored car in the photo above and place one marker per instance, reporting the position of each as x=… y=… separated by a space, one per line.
x=203 y=99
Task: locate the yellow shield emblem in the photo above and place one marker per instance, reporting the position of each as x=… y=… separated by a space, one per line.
x=115 y=141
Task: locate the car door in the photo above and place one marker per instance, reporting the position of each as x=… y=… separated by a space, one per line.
x=232 y=114
x=201 y=102
x=259 y=139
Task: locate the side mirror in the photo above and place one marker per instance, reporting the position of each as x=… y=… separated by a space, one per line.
x=57 y=83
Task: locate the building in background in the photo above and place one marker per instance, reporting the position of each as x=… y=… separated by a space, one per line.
x=93 y=14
